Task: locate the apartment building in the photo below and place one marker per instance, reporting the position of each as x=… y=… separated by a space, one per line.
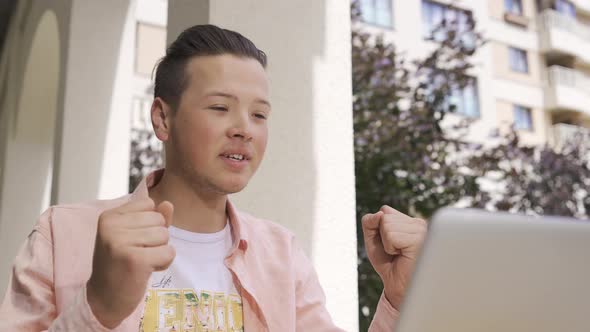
x=532 y=73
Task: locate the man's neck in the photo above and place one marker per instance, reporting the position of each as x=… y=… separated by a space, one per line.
x=193 y=211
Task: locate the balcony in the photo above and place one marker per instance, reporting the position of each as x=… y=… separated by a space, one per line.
x=567 y=89
x=564 y=35
x=582 y=5
x=562 y=133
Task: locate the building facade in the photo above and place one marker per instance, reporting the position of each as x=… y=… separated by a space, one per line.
x=532 y=72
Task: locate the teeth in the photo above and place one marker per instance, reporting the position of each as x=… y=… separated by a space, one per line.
x=236 y=156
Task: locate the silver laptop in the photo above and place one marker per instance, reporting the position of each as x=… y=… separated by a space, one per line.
x=489 y=272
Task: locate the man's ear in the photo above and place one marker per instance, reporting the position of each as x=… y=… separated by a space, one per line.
x=161 y=114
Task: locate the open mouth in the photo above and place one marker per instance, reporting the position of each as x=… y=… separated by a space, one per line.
x=234 y=156
x=235 y=161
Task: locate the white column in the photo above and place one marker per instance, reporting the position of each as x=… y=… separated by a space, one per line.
x=306 y=181
x=29 y=108
x=93 y=160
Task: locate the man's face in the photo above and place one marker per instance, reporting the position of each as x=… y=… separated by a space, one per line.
x=219 y=132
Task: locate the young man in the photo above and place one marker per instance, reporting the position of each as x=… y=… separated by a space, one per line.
x=176 y=255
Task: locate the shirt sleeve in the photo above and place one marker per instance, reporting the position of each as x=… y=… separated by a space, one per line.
x=311 y=312
x=29 y=302
x=385 y=317
x=310 y=301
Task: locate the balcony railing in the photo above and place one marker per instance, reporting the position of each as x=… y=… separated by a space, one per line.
x=566 y=132
x=551 y=19
x=559 y=75
x=567 y=89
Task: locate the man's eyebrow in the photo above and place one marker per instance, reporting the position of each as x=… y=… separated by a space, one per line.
x=229 y=95
x=262 y=101
x=221 y=94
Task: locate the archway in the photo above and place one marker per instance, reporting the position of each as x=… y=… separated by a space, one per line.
x=28 y=162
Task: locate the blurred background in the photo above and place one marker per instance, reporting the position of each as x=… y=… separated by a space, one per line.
x=417 y=104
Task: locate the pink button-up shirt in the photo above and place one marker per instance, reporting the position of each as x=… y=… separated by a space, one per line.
x=278 y=284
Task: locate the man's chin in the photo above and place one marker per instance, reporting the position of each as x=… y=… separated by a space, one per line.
x=234 y=185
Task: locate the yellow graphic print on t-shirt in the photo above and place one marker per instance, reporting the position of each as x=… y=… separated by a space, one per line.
x=184 y=310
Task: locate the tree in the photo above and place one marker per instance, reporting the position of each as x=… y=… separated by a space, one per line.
x=539 y=180
x=146 y=155
x=403 y=155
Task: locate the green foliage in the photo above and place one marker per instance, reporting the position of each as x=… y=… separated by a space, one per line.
x=145 y=156
x=539 y=180
x=403 y=157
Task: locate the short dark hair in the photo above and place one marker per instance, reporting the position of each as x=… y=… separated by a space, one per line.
x=199 y=40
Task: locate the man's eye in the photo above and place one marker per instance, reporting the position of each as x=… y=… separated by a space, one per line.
x=219 y=108
x=260 y=116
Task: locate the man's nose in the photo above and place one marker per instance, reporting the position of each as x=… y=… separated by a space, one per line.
x=240 y=127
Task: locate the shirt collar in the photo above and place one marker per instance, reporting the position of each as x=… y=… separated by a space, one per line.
x=239 y=234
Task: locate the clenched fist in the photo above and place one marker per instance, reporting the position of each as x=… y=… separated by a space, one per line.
x=131 y=243
x=393 y=241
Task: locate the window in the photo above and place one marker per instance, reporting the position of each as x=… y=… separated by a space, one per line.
x=513 y=7
x=518 y=60
x=377 y=12
x=523 y=119
x=566 y=8
x=433 y=14
x=466 y=100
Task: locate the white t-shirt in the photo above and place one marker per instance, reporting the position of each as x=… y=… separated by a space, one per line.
x=197 y=289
